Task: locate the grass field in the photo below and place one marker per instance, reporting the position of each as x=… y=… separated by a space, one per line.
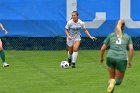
x=39 y=72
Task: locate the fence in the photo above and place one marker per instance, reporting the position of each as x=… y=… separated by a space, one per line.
x=54 y=43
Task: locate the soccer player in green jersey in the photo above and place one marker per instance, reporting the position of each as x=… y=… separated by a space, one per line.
x=2 y=54
x=117 y=57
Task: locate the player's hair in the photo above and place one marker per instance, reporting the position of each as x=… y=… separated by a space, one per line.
x=123 y=26
x=119 y=34
x=76 y=13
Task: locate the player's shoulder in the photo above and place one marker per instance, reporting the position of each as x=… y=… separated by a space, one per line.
x=112 y=34
x=70 y=21
x=125 y=34
x=80 y=21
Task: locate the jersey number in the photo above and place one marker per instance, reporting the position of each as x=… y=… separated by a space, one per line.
x=118 y=41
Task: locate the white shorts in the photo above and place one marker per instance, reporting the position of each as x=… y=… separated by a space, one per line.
x=71 y=42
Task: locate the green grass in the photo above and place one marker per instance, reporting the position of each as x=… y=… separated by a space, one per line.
x=39 y=72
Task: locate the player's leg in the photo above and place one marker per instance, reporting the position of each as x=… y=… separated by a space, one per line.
x=120 y=71
x=111 y=83
x=2 y=55
x=111 y=70
x=119 y=77
x=70 y=52
x=75 y=52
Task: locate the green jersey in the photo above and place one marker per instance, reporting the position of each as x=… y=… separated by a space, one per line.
x=118 y=47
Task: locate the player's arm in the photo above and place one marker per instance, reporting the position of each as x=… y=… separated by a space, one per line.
x=67 y=33
x=88 y=34
x=104 y=47
x=1 y=26
x=66 y=30
x=102 y=51
x=131 y=49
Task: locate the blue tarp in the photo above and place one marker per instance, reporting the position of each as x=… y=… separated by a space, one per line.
x=47 y=18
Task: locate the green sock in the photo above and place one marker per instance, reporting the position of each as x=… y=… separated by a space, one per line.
x=118 y=81
x=2 y=54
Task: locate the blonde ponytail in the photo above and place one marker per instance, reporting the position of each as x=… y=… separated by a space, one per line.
x=120 y=28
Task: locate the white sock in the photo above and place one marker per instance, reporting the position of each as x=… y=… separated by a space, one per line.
x=74 y=57
x=69 y=55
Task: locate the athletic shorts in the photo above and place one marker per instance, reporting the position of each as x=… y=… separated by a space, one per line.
x=117 y=64
x=71 y=42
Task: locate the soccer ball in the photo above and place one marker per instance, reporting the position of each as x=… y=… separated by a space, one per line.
x=64 y=64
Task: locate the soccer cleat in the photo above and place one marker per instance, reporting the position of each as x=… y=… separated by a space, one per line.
x=69 y=60
x=5 y=64
x=111 y=85
x=73 y=65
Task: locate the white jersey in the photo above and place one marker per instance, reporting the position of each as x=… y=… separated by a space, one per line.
x=74 y=28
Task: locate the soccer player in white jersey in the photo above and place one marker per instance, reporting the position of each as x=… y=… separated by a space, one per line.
x=2 y=54
x=72 y=30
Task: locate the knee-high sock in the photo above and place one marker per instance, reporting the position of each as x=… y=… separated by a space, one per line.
x=74 y=57
x=2 y=54
x=69 y=55
x=118 y=81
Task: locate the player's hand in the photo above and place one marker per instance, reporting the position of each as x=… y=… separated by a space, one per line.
x=129 y=64
x=5 y=32
x=69 y=37
x=94 y=38
x=101 y=61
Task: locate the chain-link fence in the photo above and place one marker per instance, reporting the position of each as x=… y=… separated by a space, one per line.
x=54 y=43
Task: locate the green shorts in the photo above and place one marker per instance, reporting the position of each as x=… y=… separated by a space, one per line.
x=117 y=64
